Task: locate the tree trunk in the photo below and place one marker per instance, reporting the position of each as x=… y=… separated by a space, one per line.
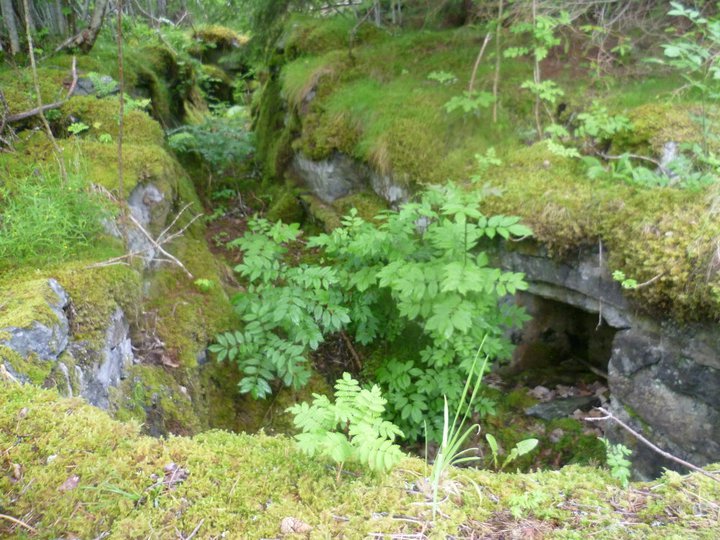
x=28 y=15
x=61 y=21
x=71 y=16
x=8 y=14
x=162 y=9
x=86 y=38
x=85 y=10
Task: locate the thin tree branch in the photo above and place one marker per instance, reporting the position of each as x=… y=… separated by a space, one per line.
x=157 y=243
x=352 y=350
x=646 y=442
x=36 y=83
x=471 y=86
x=633 y=156
x=18 y=522
x=158 y=246
x=496 y=77
x=42 y=108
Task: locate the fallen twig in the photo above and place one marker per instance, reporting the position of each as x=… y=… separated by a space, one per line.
x=5 y=374
x=157 y=243
x=18 y=522
x=646 y=442
x=42 y=108
x=353 y=352
x=649 y=281
x=632 y=156
x=195 y=531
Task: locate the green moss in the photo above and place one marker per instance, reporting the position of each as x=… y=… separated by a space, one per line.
x=150 y=394
x=63 y=377
x=367 y=203
x=96 y=294
x=31 y=368
x=230 y=479
x=311 y=35
x=26 y=302
x=220 y=36
x=389 y=115
x=286 y=207
x=269 y=127
x=655 y=124
x=185 y=318
x=303 y=76
x=97 y=161
x=102 y=117
x=19 y=90
x=320 y=213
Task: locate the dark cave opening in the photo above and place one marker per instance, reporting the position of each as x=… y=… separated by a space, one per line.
x=560 y=345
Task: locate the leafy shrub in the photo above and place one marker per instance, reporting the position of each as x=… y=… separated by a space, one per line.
x=469 y=102
x=287 y=310
x=422 y=272
x=419 y=271
x=350 y=430
x=620 y=466
x=44 y=220
x=220 y=141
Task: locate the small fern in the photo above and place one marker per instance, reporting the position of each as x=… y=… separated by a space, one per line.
x=349 y=430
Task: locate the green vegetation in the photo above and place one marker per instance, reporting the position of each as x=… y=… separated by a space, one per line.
x=221 y=141
x=407 y=298
x=123 y=484
x=620 y=466
x=287 y=310
x=47 y=220
x=351 y=429
x=415 y=271
x=391 y=116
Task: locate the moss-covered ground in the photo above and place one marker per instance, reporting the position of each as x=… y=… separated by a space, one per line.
x=387 y=113
x=69 y=471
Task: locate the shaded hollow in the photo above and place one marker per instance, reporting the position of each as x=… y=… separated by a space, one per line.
x=561 y=344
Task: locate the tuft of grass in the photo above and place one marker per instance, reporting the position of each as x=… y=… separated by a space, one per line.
x=45 y=220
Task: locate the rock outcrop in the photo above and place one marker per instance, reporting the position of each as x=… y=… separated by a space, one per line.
x=88 y=369
x=663 y=375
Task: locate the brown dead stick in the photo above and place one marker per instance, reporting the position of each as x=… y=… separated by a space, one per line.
x=37 y=110
x=18 y=522
x=353 y=352
x=639 y=437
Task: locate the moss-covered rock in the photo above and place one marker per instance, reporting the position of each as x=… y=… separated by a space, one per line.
x=130 y=486
x=655 y=124
x=101 y=115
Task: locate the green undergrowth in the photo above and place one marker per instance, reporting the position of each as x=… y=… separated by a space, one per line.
x=73 y=472
x=389 y=114
x=150 y=70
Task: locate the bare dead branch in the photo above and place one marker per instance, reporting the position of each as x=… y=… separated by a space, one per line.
x=646 y=442
x=18 y=522
x=633 y=156
x=157 y=243
x=480 y=55
x=353 y=352
x=6 y=375
x=42 y=108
